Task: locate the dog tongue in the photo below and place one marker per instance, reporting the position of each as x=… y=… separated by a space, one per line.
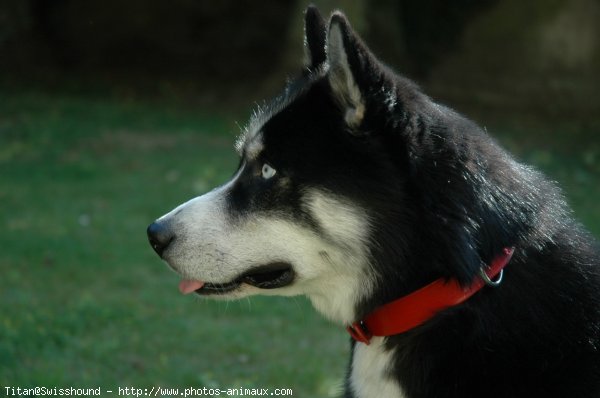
x=186 y=286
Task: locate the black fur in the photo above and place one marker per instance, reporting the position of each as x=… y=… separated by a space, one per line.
x=314 y=26
x=444 y=199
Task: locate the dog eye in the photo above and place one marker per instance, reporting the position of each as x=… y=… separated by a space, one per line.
x=268 y=171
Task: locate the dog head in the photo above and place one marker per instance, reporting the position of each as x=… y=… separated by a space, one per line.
x=330 y=194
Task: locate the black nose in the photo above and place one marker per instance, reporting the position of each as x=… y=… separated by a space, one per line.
x=160 y=237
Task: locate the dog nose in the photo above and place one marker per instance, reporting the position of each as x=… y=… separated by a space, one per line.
x=159 y=237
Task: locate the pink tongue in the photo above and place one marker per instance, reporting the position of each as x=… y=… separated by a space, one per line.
x=186 y=286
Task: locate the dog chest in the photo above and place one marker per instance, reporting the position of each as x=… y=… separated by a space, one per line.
x=370 y=375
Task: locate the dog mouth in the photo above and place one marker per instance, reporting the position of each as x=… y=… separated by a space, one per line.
x=269 y=276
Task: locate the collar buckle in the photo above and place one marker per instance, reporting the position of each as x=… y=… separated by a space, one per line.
x=359 y=332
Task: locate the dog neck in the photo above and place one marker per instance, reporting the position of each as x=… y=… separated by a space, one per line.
x=418 y=307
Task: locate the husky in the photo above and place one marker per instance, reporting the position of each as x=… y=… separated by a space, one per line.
x=458 y=271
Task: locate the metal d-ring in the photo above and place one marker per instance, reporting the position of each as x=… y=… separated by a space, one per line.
x=490 y=282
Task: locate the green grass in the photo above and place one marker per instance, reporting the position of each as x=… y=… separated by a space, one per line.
x=83 y=299
x=84 y=302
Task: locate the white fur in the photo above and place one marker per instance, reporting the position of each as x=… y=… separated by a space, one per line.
x=370 y=375
x=254 y=146
x=343 y=221
x=253 y=129
x=346 y=228
x=331 y=267
x=341 y=78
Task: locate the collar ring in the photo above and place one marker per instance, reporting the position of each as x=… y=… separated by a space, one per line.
x=489 y=281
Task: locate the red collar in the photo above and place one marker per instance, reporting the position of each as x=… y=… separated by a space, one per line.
x=421 y=305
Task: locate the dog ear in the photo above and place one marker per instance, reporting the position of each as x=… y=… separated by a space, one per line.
x=314 y=38
x=350 y=65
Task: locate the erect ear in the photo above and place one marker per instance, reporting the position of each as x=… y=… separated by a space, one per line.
x=314 y=38
x=350 y=64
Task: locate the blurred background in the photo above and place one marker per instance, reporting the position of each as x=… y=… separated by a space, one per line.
x=112 y=113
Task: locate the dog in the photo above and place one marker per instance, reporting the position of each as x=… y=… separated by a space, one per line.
x=458 y=271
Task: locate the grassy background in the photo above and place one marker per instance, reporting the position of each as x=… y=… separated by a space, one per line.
x=84 y=301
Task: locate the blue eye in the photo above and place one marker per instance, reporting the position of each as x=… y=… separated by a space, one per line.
x=268 y=171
